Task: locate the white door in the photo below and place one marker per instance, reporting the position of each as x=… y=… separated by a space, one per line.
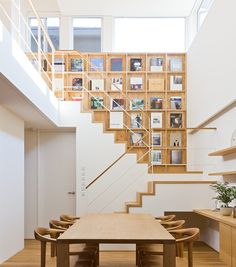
x=56 y=175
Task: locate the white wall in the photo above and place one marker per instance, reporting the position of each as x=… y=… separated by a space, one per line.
x=211 y=75
x=11 y=184
x=210 y=65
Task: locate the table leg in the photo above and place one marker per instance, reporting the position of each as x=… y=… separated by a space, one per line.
x=63 y=255
x=169 y=255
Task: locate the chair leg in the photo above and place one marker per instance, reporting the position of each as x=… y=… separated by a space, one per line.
x=53 y=250
x=43 y=254
x=190 y=254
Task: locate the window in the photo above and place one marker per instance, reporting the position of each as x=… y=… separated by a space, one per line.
x=203 y=11
x=149 y=34
x=52 y=25
x=87 y=34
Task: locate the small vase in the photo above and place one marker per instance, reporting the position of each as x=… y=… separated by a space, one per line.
x=226 y=211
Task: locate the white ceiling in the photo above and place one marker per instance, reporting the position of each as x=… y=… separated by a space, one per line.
x=128 y=8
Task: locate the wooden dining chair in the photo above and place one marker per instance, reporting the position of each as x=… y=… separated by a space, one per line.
x=172 y=225
x=148 y=254
x=45 y=235
x=166 y=218
x=68 y=218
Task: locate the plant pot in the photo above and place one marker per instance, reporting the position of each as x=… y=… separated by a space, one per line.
x=226 y=211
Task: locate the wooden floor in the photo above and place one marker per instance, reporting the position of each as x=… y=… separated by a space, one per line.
x=30 y=257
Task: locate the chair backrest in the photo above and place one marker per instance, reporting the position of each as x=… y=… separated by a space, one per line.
x=171 y=225
x=68 y=218
x=186 y=234
x=62 y=225
x=166 y=218
x=44 y=234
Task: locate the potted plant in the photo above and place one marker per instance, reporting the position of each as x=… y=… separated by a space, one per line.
x=225 y=194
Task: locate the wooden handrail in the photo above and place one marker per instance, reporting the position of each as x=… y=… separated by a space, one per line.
x=215 y=116
x=111 y=165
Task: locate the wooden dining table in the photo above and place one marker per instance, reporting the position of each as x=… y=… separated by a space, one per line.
x=116 y=228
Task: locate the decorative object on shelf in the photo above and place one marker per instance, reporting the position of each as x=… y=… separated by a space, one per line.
x=97 y=102
x=176 y=82
x=77 y=84
x=116 y=64
x=136 y=120
x=135 y=64
x=156 y=64
x=116 y=120
x=225 y=194
x=116 y=84
x=77 y=64
x=156 y=157
x=176 y=120
x=156 y=139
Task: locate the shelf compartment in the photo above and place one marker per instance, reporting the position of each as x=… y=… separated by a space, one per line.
x=222 y=173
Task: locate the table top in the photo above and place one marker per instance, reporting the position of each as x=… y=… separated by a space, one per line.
x=117 y=228
x=215 y=215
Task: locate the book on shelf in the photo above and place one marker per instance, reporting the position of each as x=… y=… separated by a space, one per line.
x=175 y=64
x=176 y=102
x=137 y=104
x=97 y=102
x=155 y=103
x=156 y=139
x=135 y=64
x=156 y=84
x=116 y=64
x=58 y=84
x=136 y=83
x=156 y=120
x=175 y=139
x=97 y=64
x=77 y=84
x=116 y=120
x=156 y=157
x=136 y=120
x=175 y=120
x=117 y=104
x=156 y=64
x=76 y=64
x=136 y=139
x=175 y=157
x=176 y=82
x=76 y=98
x=116 y=83
x=97 y=84
x=59 y=64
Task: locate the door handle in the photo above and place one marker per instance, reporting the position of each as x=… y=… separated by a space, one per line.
x=71 y=193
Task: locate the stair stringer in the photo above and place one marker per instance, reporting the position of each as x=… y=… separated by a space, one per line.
x=173 y=195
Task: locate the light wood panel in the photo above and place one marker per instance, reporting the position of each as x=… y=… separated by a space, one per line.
x=222 y=173
x=203 y=256
x=224 y=152
x=233 y=247
x=225 y=243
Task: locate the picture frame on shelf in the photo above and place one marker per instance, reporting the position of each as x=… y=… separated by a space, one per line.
x=77 y=84
x=135 y=64
x=137 y=104
x=175 y=102
x=97 y=102
x=136 y=120
x=156 y=157
x=156 y=120
x=176 y=120
x=136 y=83
x=175 y=139
x=116 y=120
x=97 y=84
x=116 y=84
x=116 y=64
x=156 y=139
x=176 y=157
x=156 y=64
x=117 y=104
x=156 y=103
x=77 y=65
x=176 y=83
x=136 y=139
